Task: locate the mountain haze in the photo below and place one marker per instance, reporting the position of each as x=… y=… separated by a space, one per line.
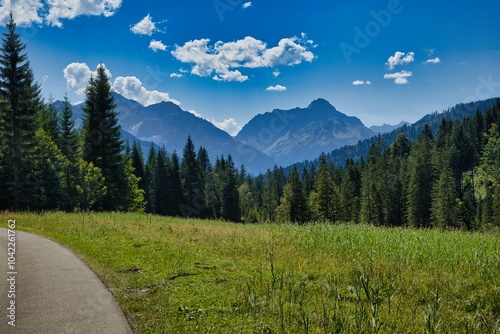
x=381 y=129
x=299 y=134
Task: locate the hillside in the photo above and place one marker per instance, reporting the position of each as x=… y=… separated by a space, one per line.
x=299 y=134
x=360 y=150
x=167 y=125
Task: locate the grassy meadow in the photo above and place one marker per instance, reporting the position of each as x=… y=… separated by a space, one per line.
x=173 y=275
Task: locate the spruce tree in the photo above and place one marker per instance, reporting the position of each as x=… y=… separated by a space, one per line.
x=293 y=207
x=192 y=186
x=175 y=186
x=150 y=180
x=20 y=105
x=421 y=179
x=68 y=141
x=102 y=141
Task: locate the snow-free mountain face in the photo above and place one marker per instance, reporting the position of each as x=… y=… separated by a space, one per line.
x=299 y=134
x=386 y=128
x=167 y=125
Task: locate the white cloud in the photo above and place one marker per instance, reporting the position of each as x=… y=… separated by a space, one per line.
x=157 y=45
x=231 y=76
x=277 y=88
x=229 y=125
x=77 y=76
x=194 y=112
x=247 y=5
x=400 y=78
x=222 y=58
x=51 y=12
x=131 y=87
x=361 y=82
x=146 y=26
x=433 y=61
x=400 y=58
x=176 y=75
x=276 y=73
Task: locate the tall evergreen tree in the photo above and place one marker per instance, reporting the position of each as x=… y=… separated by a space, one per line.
x=150 y=180
x=192 y=186
x=103 y=145
x=20 y=105
x=293 y=207
x=324 y=201
x=419 y=197
x=69 y=146
x=175 y=186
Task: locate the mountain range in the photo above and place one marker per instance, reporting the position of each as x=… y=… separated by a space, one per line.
x=166 y=125
x=299 y=134
x=386 y=128
x=280 y=137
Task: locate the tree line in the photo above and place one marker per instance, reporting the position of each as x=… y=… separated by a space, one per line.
x=444 y=178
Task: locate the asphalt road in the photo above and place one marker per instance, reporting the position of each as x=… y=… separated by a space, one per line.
x=54 y=291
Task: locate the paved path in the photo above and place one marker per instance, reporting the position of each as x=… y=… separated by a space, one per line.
x=55 y=291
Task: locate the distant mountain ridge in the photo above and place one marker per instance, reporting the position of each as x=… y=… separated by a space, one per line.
x=167 y=125
x=299 y=134
x=381 y=129
x=360 y=150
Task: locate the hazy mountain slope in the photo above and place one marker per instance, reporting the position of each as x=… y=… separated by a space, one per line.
x=299 y=134
x=381 y=129
x=166 y=124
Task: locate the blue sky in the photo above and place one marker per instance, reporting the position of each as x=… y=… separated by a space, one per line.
x=228 y=60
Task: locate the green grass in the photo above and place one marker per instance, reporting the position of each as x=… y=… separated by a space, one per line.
x=172 y=275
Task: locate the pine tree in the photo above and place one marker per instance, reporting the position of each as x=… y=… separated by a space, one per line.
x=230 y=196
x=103 y=145
x=324 y=201
x=19 y=109
x=293 y=207
x=175 y=186
x=150 y=180
x=49 y=120
x=419 y=196
x=192 y=186
x=269 y=204
x=69 y=146
x=162 y=183
x=444 y=201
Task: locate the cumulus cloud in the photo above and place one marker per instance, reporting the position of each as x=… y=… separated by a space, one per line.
x=157 y=46
x=176 y=75
x=51 y=12
x=400 y=58
x=132 y=88
x=229 y=125
x=433 y=61
x=400 y=78
x=361 y=82
x=77 y=76
x=146 y=26
x=277 y=88
x=276 y=73
x=223 y=58
x=247 y=5
x=25 y=12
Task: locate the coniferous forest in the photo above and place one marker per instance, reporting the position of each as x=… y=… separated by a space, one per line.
x=446 y=179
